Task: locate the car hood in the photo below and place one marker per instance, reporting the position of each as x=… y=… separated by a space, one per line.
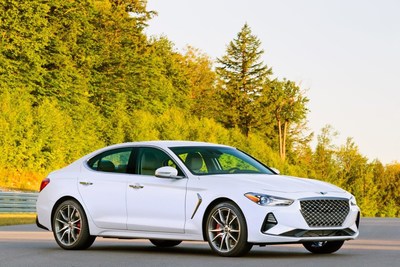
x=278 y=183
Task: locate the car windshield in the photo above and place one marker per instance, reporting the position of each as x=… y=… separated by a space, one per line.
x=209 y=160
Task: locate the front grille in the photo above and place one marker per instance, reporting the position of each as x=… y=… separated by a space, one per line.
x=325 y=212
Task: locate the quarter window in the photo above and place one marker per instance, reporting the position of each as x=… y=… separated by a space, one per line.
x=112 y=161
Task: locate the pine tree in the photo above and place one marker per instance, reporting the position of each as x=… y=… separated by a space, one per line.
x=242 y=77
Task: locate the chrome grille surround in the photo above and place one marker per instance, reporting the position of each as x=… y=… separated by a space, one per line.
x=325 y=212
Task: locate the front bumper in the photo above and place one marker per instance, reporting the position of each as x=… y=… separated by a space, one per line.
x=278 y=225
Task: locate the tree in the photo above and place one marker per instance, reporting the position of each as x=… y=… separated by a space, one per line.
x=203 y=97
x=324 y=157
x=388 y=182
x=23 y=37
x=288 y=105
x=119 y=55
x=242 y=78
x=356 y=176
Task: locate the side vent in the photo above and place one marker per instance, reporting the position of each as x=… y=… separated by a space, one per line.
x=269 y=222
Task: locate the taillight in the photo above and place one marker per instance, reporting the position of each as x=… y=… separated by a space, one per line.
x=44 y=183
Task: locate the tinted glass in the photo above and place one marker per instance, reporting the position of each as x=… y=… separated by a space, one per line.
x=150 y=159
x=111 y=161
x=218 y=160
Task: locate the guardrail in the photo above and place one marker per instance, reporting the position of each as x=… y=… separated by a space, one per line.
x=13 y=202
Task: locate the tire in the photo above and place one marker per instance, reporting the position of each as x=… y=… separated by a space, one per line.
x=325 y=247
x=165 y=243
x=226 y=231
x=70 y=226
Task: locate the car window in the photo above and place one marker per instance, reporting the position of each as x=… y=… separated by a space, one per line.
x=150 y=159
x=218 y=160
x=116 y=160
x=194 y=161
x=231 y=162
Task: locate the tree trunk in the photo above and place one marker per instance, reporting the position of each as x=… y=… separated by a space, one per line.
x=280 y=138
x=285 y=128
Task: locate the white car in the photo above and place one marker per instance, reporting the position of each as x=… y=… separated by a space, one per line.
x=169 y=191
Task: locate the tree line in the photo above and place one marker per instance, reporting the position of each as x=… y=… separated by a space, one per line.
x=79 y=75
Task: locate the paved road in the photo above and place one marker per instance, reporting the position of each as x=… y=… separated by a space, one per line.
x=378 y=245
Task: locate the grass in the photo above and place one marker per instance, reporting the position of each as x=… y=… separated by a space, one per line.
x=17 y=218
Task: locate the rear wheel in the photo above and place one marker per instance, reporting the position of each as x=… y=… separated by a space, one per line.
x=324 y=247
x=227 y=230
x=165 y=243
x=70 y=226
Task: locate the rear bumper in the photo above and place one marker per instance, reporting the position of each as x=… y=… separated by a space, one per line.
x=40 y=225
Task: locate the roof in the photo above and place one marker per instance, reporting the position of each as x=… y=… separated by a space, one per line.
x=169 y=143
x=160 y=143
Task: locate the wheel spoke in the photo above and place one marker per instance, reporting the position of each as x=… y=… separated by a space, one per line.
x=227 y=244
x=216 y=220
x=217 y=236
x=76 y=228
x=63 y=234
x=63 y=229
x=69 y=237
x=71 y=211
x=61 y=221
x=227 y=217
x=68 y=212
x=231 y=236
x=74 y=235
x=77 y=220
x=221 y=217
x=231 y=221
x=222 y=242
x=63 y=215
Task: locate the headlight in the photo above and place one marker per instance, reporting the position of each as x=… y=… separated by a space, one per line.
x=266 y=200
x=353 y=201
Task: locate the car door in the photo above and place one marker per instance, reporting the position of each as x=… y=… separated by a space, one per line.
x=155 y=204
x=103 y=185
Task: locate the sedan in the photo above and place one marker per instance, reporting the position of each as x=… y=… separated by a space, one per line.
x=170 y=191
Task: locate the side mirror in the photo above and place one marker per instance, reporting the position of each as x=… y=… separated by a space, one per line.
x=167 y=172
x=275 y=170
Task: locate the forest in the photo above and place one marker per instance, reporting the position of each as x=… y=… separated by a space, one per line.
x=77 y=75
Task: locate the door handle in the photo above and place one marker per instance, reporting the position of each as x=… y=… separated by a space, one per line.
x=85 y=183
x=136 y=186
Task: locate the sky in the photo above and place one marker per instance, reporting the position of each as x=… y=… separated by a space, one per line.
x=344 y=53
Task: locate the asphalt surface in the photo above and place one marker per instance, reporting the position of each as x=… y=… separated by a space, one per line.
x=378 y=245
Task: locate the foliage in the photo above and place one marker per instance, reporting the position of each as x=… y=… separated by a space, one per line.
x=78 y=75
x=287 y=103
x=17 y=218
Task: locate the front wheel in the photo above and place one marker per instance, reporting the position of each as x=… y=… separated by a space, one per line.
x=324 y=247
x=227 y=230
x=70 y=226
